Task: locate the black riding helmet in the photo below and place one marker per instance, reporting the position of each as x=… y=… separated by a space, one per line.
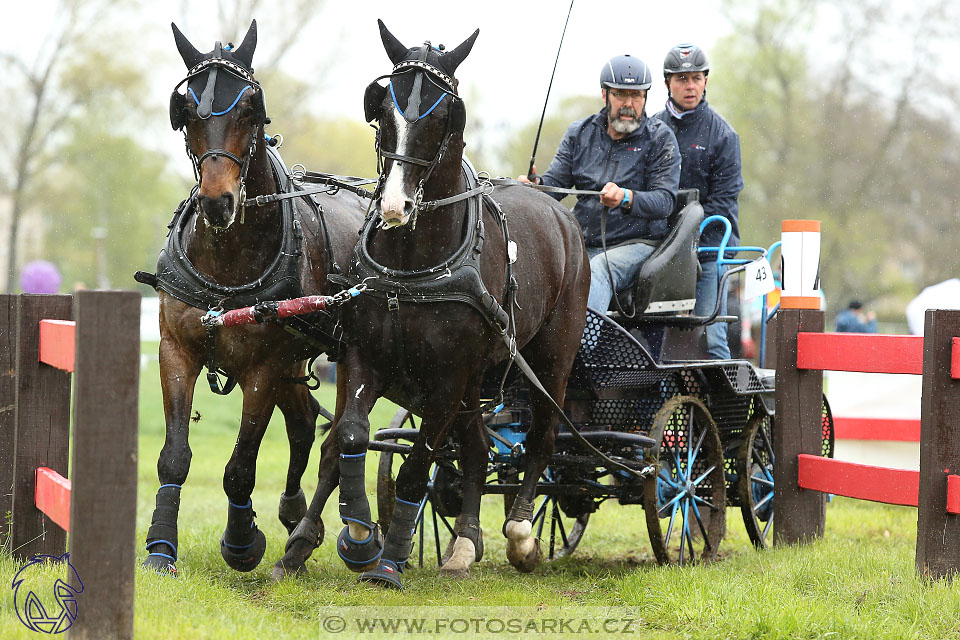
x=685 y=58
x=625 y=72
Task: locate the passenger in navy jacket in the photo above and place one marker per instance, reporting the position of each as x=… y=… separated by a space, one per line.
x=710 y=151
x=634 y=162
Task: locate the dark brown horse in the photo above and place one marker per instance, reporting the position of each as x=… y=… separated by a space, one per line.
x=227 y=250
x=437 y=312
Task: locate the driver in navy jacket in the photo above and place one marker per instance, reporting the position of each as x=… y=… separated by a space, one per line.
x=634 y=162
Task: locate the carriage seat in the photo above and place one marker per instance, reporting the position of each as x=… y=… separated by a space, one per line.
x=667 y=282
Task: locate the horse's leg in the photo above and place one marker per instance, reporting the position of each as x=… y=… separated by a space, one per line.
x=308 y=534
x=359 y=544
x=551 y=355
x=178 y=377
x=412 y=481
x=243 y=544
x=468 y=546
x=300 y=412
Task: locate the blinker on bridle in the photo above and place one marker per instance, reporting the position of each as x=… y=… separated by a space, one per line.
x=204 y=103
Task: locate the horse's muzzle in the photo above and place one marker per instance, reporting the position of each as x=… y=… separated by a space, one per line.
x=219 y=211
x=395 y=211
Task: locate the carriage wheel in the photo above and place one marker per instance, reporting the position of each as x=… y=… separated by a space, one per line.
x=433 y=515
x=755 y=478
x=564 y=532
x=685 y=502
x=755 y=472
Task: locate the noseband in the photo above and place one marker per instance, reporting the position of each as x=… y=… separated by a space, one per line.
x=205 y=109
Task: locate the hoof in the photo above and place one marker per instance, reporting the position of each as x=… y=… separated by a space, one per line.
x=245 y=558
x=386 y=574
x=292 y=510
x=161 y=564
x=281 y=571
x=360 y=555
x=523 y=552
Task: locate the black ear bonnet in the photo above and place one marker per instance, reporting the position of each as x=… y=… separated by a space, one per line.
x=217 y=81
x=421 y=78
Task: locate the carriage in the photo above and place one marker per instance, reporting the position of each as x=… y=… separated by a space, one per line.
x=698 y=433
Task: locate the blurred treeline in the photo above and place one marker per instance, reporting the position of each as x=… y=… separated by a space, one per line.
x=834 y=126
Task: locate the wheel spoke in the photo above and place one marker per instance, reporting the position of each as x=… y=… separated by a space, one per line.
x=703 y=529
x=766 y=527
x=704 y=501
x=696 y=451
x=673 y=517
x=767 y=498
x=685 y=529
x=704 y=475
x=763 y=481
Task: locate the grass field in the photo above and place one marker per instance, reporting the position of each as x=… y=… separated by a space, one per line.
x=859 y=582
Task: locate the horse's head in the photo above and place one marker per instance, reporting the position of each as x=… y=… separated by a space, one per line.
x=222 y=114
x=420 y=115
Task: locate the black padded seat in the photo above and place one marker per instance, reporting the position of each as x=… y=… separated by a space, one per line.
x=667 y=282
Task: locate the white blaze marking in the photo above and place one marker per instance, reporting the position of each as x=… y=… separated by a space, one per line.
x=393 y=195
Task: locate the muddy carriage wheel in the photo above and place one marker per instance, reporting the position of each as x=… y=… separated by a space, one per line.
x=564 y=531
x=755 y=479
x=685 y=502
x=755 y=472
x=444 y=493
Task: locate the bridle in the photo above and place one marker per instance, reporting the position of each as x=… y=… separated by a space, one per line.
x=448 y=85
x=205 y=110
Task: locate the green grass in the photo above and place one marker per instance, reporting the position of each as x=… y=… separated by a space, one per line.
x=858 y=582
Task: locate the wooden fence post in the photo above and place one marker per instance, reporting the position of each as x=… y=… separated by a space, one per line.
x=799 y=515
x=8 y=389
x=41 y=426
x=103 y=504
x=938 y=532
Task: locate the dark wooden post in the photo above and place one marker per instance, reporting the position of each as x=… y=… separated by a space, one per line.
x=938 y=532
x=103 y=505
x=798 y=515
x=42 y=426
x=8 y=389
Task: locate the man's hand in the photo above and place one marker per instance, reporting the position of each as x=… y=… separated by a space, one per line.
x=527 y=180
x=611 y=195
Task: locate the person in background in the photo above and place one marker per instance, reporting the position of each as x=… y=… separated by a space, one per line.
x=634 y=162
x=855 y=320
x=710 y=151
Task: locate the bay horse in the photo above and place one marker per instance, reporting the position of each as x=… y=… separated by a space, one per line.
x=230 y=246
x=451 y=292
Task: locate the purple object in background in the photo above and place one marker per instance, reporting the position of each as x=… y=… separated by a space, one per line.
x=40 y=276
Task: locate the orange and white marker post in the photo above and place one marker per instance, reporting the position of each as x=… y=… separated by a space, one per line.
x=800 y=264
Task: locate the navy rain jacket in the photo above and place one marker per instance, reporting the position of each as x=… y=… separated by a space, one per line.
x=711 y=163
x=646 y=161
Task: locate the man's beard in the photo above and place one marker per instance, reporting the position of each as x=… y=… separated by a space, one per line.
x=623 y=126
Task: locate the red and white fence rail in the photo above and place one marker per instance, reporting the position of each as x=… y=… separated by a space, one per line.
x=802 y=478
x=48 y=344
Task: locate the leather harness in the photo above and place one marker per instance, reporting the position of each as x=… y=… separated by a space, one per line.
x=177 y=276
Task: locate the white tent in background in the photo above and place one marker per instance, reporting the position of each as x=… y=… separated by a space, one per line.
x=945 y=295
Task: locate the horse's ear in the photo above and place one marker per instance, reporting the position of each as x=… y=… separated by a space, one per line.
x=373 y=101
x=191 y=57
x=178 y=104
x=395 y=49
x=244 y=53
x=452 y=59
x=458 y=116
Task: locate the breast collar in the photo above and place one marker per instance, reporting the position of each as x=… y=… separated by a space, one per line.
x=177 y=276
x=457 y=279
